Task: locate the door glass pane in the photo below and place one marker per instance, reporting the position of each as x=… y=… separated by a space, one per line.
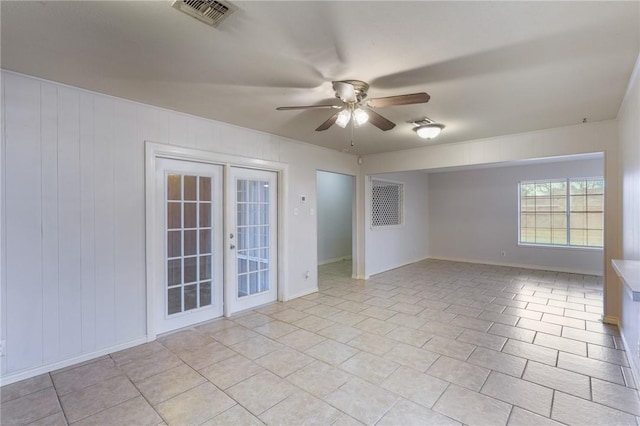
x=205 y=188
x=174 y=187
x=252 y=230
x=190 y=215
x=190 y=184
x=190 y=268
x=174 y=216
x=174 y=272
x=190 y=243
x=190 y=297
x=189 y=236
x=205 y=293
x=174 y=300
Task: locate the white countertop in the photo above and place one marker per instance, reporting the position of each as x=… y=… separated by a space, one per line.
x=629 y=273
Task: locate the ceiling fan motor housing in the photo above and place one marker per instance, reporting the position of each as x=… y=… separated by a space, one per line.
x=359 y=87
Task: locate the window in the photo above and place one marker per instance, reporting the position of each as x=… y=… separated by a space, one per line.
x=387 y=199
x=567 y=212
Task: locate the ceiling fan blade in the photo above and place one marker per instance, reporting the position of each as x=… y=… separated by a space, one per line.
x=379 y=121
x=328 y=123
x=345 y=91
x=289 y=108
x=413 y=98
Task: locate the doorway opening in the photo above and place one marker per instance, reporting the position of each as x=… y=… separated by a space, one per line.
x=336 y=237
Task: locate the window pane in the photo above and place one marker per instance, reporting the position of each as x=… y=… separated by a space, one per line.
x=190 y=243
x=174 y=300
x=528 y=235
x=578 y=220
x=559 y=236
x=190 y=297
x=205 y=294
x=174 y=244
x=174 y=272
x=579 y=237
x=174 y=190
x=559 y=188
x=174 y=220
x=190 y=269
x=205 y=267
x=595 y=186
x=528 y=205
x=578 y=203
x=543 y=235
x=595 y=221
x=190 y=183
x=543 y=220
x=559 y=204
x=205 y=189
x=190 y=215
x=595 y=238
x=595 y=203
x=543 y=189
x=559 y=221
x=205 y=215
x=205 y=241
x=578 y=187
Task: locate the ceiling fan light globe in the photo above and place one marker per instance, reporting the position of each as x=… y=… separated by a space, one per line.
x=343 y=118
x=360 y=116
x=429 y=131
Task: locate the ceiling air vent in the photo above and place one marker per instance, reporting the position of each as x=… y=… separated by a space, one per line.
x=211 y=12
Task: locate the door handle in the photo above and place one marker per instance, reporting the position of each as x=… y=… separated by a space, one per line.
x=232 y=246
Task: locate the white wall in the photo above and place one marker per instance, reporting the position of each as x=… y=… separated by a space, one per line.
x=577 y=139
x=388 y=248
x=335 y=217
x=473 y=216
x=629 y=131
x=73 y=216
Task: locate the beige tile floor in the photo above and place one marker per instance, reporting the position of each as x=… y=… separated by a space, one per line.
x=430 y=343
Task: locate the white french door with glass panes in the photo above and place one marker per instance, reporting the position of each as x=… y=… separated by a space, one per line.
x=189 y=208
x=251 y=272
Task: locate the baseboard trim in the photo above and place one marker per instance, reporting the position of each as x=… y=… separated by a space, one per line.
x=632 y=365
x=518 y=265
x=32 y=372
x=396 y=267
x=334 y=260
x=301 y=293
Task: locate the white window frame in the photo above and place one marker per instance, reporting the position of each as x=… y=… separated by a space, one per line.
x=567 y=213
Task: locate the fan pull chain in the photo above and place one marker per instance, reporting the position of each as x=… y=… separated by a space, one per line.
x=352 y=125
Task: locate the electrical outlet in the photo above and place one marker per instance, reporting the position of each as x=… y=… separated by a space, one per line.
x=3 y=347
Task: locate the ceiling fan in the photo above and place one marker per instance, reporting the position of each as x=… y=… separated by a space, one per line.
x=352 y=94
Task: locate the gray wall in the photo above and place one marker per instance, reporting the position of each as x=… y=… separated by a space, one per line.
x=388 y=248
x=335 y=217
x=473 y=216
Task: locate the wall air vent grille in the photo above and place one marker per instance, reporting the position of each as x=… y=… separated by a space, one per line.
x=211 y=12
x=387 y=203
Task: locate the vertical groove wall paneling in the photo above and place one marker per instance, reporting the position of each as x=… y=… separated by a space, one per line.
x=127 y=164
x=70 y=296
x=24 y=220
x=50 y=254
x=104 y=223
x=87 y=217
x=3 y=226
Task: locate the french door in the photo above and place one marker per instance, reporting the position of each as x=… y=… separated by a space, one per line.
x=201 y=272
x=190 y=198
x=252 y=238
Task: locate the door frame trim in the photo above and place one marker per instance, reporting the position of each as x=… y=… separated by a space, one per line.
x=155 y=150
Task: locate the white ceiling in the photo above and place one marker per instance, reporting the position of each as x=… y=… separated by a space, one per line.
x=491 y=68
